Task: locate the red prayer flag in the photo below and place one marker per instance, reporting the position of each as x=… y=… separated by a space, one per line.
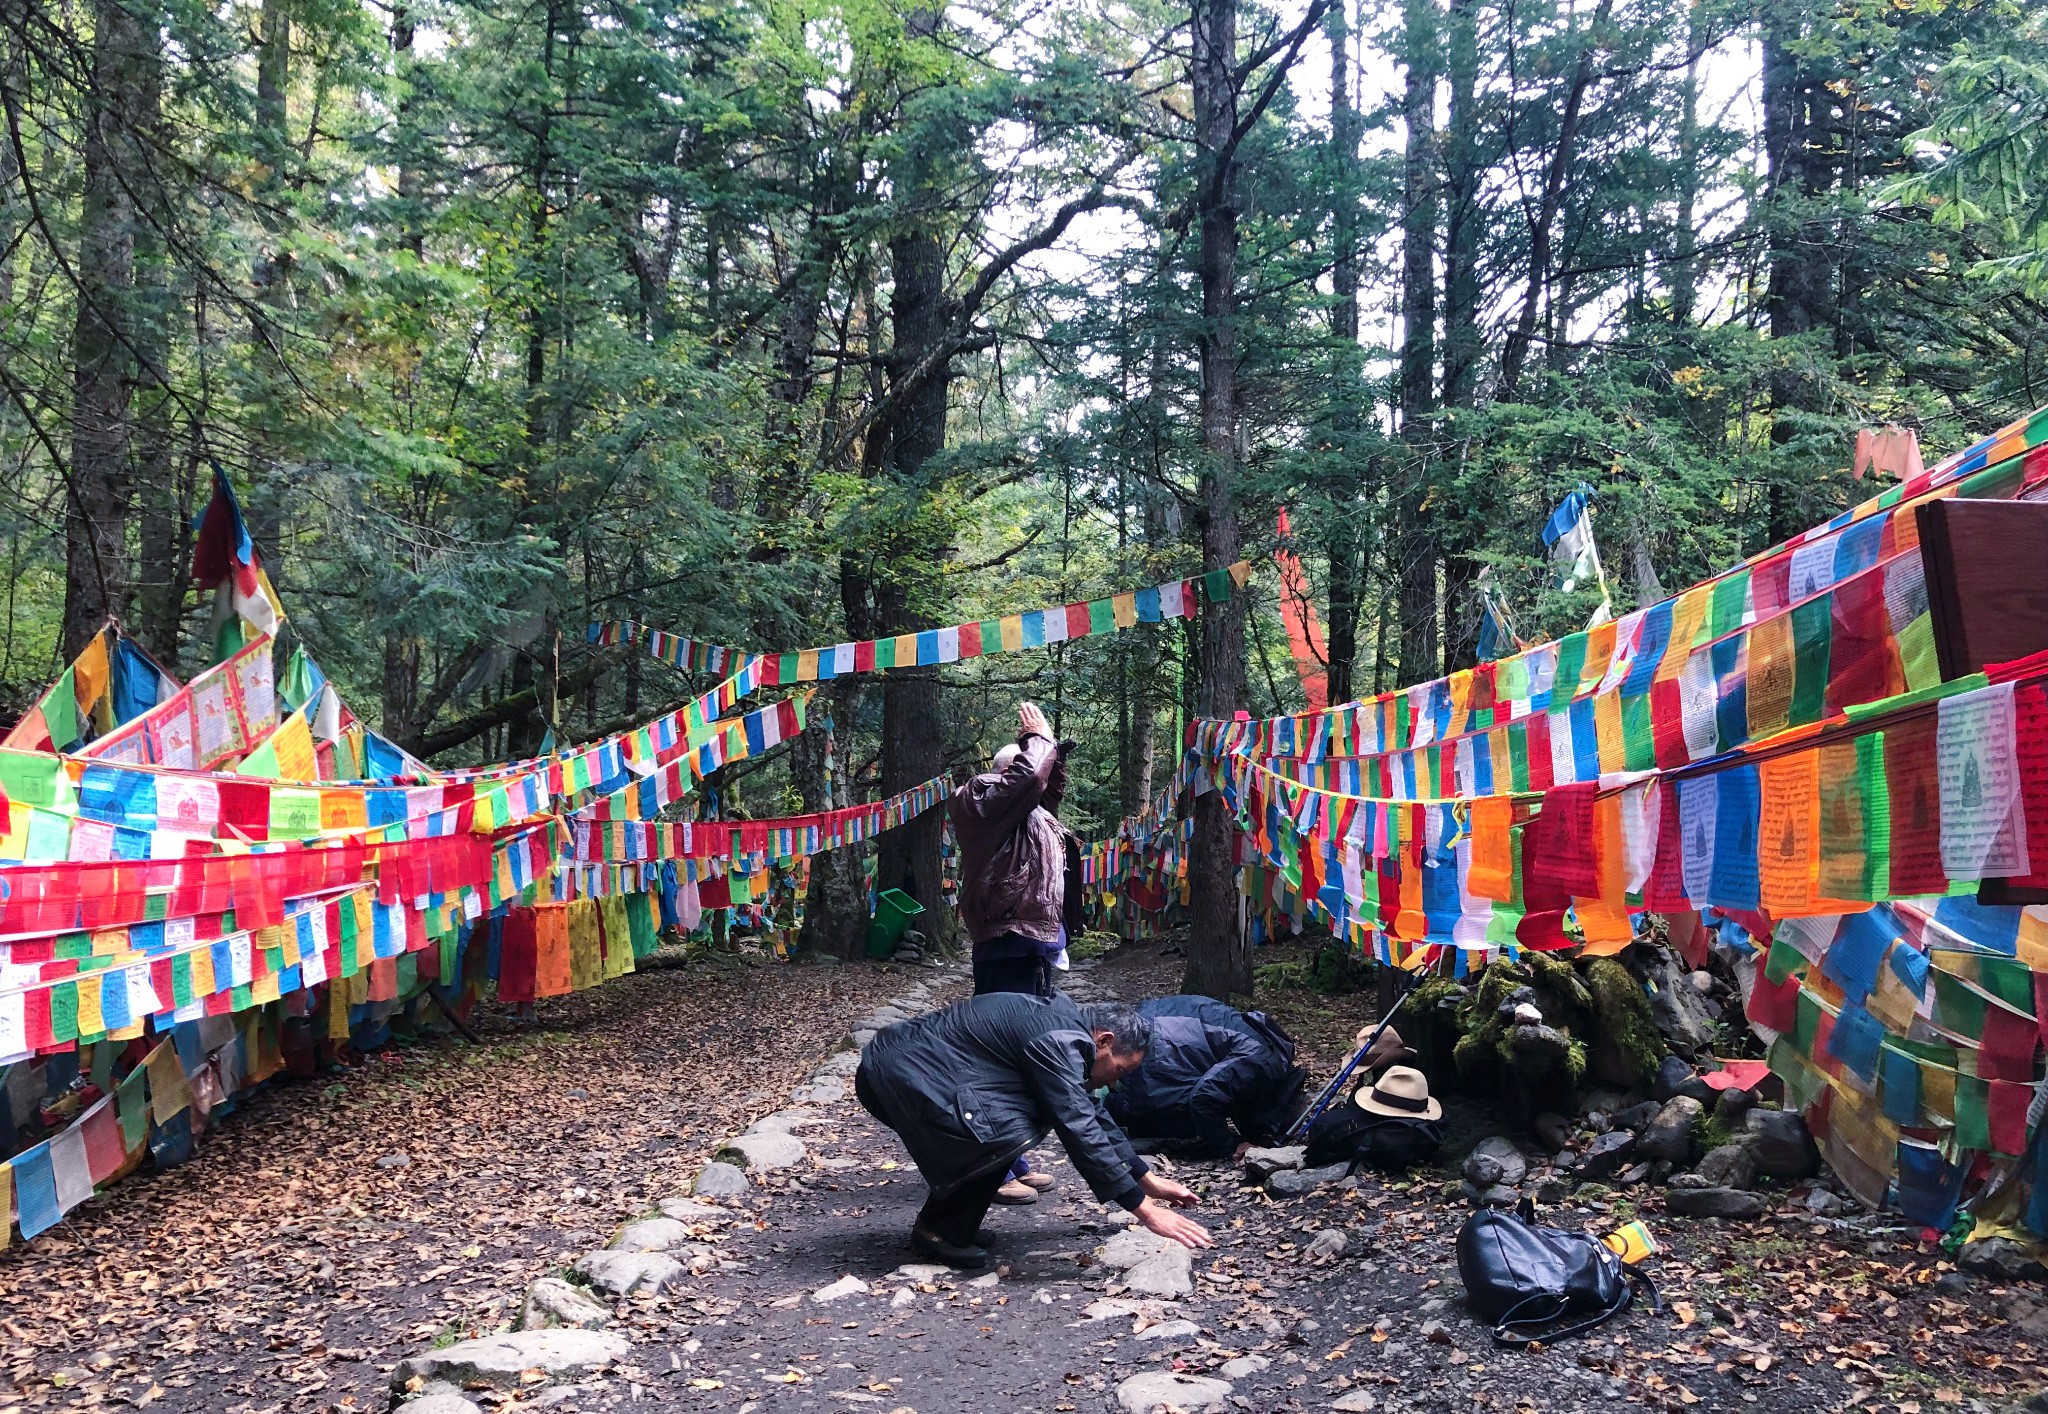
x=1915 y=788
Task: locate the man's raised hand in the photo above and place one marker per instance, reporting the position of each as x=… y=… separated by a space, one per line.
x=1031 y=721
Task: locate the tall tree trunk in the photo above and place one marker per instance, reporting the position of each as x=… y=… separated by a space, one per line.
x=103 y=377
x=913 y=737
x=1684 y=271
x=1799 y=298
x=1343 y=542
x=1219 y=960
x=1514 y=354
x=1419 y=551
x=837 y=903
x=164 y=475
x=1463 y=345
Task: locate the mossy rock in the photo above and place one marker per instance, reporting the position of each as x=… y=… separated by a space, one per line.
x=1626 y=1044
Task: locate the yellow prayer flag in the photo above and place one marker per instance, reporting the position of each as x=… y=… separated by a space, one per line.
x=1688 y=627
x=1599 y=653
x=1125 y=609
x=1605 y=919
x=906 y=650
x=807 y=665
x=6 y=1205
x=344 y=810
x=90 y=1020
x=110 y=942
x=170 y=1094
x=1771 y=660
x=1607 y=732
x=1787 y=846
x=293 y=743
x=90 y=673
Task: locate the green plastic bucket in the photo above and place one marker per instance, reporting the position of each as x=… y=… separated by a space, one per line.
x=894 y=911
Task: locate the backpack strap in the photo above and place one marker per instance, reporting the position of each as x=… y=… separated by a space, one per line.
x=1508 y=1337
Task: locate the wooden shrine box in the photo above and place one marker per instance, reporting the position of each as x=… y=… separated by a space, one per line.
x=1987 y=589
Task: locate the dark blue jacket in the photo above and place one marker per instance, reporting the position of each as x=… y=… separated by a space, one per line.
x=970 y=1087
x=1208 y=1069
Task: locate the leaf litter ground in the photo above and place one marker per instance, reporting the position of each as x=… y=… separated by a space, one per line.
x=285 y=1269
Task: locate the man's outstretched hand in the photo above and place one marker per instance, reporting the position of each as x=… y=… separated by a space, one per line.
x=1171 y=1225
x=1157 y=1185
x=1032 y=722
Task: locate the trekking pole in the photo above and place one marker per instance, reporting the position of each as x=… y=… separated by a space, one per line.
x=1329 y=1092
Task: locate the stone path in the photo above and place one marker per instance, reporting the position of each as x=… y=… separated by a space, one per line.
x=797 y=1292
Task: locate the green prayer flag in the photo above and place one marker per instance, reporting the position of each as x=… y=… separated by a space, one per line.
x=1216 y=585
x=885 y=653
x=60 y=712
x=1101 y=616
x=64 y=1011
x=1518 y=755
x=1812 y=638
x=1571 y=663
x=1730 y=603
x=181 y=979
x=1917 y=655
x=786 y=666
x=132 y=1099
x=1973 y=1113
x=991 y=636
x=34 y=778
x=294 y=813
x=1639 y=742
x=1956 y=1007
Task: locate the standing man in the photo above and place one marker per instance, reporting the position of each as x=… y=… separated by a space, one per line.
x=1019 y=866
x=1020 y=873
x=969 y=1088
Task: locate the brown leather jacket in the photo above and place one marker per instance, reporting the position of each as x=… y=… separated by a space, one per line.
x=1015 y=855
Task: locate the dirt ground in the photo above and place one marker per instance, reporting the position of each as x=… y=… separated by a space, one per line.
x=298 y=1257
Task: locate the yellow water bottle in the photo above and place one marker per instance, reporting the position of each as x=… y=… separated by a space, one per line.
x=1631 y=1243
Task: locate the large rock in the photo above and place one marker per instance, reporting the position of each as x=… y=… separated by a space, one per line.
x=651 y=1235
x=1195 y=1394
x=848 y=1285
x=785 y=1122
x=1169 y=1274
x=2002 y=1258
x=498 y=1361
x=1676 y=1077
x=1554 y=1131
x=689 y=1210
x=1683 y=1014
x=1180 y=1332
x=763 y=1152
x=1729 y=1166
x=1130 y=1247
x=1606 y=1156
x=1292 y=1183
x=630 y=1273
x=1779 y=1142
x=1669 y=1135
x=442 y=1403
x=1262 y=1164
x=1713 y=1203
x=820 y=1092
x=1634 y=1117
x=550 y=1301
x=1328 y=1244
x=721 y=1181
x=1495 y=1160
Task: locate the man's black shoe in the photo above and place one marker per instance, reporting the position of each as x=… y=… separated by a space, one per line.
x=953 y=1254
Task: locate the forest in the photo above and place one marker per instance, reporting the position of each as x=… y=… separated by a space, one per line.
x=783 y=323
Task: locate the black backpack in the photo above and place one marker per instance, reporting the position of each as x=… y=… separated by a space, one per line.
x=1346 y=1134
x=1524 y=1278
x=1268 y=1030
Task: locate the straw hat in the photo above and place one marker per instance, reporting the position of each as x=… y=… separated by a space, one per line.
x=1402 y=1093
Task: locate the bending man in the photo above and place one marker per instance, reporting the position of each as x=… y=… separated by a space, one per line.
x=1211 y=1067
x=970 y=1088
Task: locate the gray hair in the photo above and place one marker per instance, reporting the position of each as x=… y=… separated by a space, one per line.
x=1008 y=754
x=1130 y=1034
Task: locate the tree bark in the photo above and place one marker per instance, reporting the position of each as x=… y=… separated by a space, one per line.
x=1343 y=542
x=1420 y=208
x=103 y=377
x=1463 y=345
x=1219 y=960
x=1514 y=353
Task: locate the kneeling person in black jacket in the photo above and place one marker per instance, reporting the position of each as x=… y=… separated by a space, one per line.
x=971 y=1087
x=1211 y=1068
